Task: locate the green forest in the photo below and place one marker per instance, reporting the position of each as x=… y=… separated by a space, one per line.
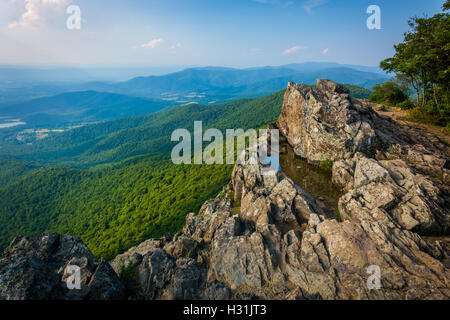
x=113 y=208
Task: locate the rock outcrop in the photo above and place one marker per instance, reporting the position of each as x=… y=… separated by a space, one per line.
x=39 y=268
x=325 y=123
x=393 y=174
x=265 y=237
x=391 y=192
x=267 y=251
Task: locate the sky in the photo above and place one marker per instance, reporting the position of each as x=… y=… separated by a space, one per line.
x=232 y=33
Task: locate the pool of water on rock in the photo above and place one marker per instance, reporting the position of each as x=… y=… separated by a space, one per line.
x=312 y=178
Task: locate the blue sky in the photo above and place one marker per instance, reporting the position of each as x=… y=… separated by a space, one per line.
x=237 y=33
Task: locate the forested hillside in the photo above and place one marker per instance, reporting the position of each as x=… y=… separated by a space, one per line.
x=118 y=140
x=111 y=209
x=11 y=170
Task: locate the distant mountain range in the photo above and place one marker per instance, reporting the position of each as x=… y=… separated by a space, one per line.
x=212 y=84
x=207 y=85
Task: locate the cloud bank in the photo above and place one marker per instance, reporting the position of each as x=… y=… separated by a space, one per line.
x=38 y=13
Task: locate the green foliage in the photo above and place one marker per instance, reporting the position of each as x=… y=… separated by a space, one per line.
x=420 y=115
x=338 y=216
x=326 y=164
x=124 y=138
x=11 y=170
x=388 y=93
x=112 y=208
x=406 y=105
x=122 y=187
x=358 y=92
x=422 y=61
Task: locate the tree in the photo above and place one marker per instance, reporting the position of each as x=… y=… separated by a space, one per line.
x=389 y=93
x=423 y=60
x=405 y=67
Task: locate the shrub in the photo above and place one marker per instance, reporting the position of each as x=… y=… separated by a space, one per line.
x=389 y=93
x=421 y=115
x=406 y=105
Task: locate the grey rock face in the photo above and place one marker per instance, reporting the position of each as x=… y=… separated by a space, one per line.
x=154 y=274
x=391 y=192
x=325 y=123
x=37 y=269
x=392 y=173
x=335 y=257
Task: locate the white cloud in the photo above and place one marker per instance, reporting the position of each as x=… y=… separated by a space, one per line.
x=293 y=49
x=151 y=44
x=325 y=51
x=308 y=5
x=38 y=12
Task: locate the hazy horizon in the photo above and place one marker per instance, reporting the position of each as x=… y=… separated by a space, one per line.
x=120 y=66
x=127 y=72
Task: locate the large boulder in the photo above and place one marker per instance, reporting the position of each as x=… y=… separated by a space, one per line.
x=392 y=173
x=325 y=123
x=38 y=269
x=391 y=192
x=342 y=261
x=150 y=272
